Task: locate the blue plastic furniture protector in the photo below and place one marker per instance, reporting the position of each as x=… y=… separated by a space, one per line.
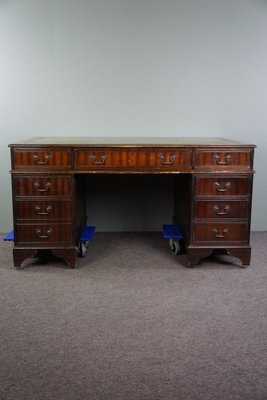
x=87 y=234
x=170 y=231
x=9 y=236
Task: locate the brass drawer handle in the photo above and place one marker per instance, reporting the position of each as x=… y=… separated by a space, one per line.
x=163 y=158
x=222 y=159
x=217 y=210
x=46 y=187
x=97 y=162
x=222 y=188
x=38 y=161
x=46 y=236
x=220 y=233
x=40 y=212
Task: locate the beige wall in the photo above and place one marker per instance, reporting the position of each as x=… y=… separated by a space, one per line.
x=131 y=68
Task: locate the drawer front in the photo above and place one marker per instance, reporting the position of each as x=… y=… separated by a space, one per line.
x=42 y=186
x=40 y=158
x=43 y=234
x=221 y=209
x=43 y=210
x=224 y=158
x=226 y=186
x=221 y=232
x=159 y=158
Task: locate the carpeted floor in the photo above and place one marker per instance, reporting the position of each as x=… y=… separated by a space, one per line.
x=132 y=323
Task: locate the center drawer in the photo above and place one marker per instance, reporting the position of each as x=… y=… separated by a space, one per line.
x=132 y=158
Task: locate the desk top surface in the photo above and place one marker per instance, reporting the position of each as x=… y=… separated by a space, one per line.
x=130 y=141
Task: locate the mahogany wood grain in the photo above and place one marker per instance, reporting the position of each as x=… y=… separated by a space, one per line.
x=158 y=158
x=41 y=158
x=223 y=185
x=222 y=208
x=43 y=234
x=32 y=209
x=223 y=158
x=42 y=185
x=221 y=232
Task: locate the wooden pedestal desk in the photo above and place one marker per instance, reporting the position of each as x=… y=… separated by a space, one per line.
x=213 y=190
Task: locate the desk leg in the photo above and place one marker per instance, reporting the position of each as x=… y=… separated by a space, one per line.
x=68 y=255
x=244 y=254
x=19 y=255
x=195 y=255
